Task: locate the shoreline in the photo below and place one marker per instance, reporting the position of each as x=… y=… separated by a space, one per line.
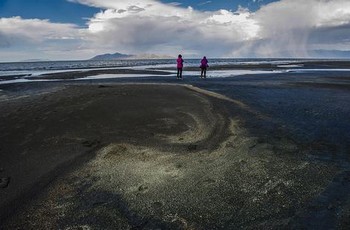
x=70 y=73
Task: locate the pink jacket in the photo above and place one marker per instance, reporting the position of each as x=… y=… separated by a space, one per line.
x=180 y=62
x=204 y=63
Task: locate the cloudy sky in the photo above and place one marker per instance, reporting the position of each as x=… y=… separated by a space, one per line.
x=80 y=29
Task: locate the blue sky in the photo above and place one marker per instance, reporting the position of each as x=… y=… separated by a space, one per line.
x=80 y=29
x=54 y=10
x=68 y=12
x=223 y=4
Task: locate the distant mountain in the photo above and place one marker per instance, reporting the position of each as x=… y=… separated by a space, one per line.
x=117 y=56
x=111 y=56
x=35 y=60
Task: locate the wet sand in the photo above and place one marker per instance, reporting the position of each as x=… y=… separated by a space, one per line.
x=147 y=156
x=87 y=73
x=44 y=135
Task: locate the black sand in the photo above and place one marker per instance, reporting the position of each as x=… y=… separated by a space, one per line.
x=148 y=156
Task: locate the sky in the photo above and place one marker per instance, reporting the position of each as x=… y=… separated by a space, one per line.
x=81 y=29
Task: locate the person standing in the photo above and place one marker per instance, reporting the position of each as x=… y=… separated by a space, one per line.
x=180 y=65
x=204 y=65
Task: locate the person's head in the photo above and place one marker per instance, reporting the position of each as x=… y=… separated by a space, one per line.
x=204 y=57
x=180 y=56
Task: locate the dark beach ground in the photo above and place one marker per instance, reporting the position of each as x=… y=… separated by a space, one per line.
x=265 y=151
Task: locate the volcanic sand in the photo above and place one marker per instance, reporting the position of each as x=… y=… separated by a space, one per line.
x=148 y=156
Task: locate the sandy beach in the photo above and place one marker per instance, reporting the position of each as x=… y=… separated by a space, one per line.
x=168 y=155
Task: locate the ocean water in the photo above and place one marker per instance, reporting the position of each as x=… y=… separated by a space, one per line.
x=59 y=65
x=18 y=71
x=51 y=66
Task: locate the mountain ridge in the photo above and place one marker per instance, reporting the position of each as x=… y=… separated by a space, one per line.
x=118 y=56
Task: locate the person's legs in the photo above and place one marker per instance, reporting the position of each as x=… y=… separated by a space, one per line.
x=202 y=70
x=205 y=72
x=178 y=73
x=180 y=70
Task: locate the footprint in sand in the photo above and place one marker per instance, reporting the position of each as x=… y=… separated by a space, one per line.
x=89 y=143
x=143 y=188
x=209 y=181
x=4 y=182
x=157 y=207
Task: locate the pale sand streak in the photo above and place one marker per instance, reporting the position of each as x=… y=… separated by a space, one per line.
x=222 y=97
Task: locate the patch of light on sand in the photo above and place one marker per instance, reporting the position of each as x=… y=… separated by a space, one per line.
x=38 y=73
x=109 y=76
x=94 y=77
x=171 y=68
x=9 y=73
x=14 y=81
x=290 y=66
x=232 y=73
x=22 y=80
x=318 y=70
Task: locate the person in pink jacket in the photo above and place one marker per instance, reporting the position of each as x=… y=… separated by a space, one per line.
x=204 y=65
x=180 y=65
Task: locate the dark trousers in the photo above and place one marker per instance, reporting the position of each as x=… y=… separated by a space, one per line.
x=204 y=72
x=179 y=73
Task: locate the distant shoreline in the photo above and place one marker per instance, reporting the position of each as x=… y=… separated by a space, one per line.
x=66 y=70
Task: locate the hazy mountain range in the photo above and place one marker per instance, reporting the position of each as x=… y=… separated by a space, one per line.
x=117 y=56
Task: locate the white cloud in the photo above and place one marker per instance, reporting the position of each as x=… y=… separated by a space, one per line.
x=38 y=39
x=282 y=28
x=147 y=25
x=291 y=27
x=35 y=30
